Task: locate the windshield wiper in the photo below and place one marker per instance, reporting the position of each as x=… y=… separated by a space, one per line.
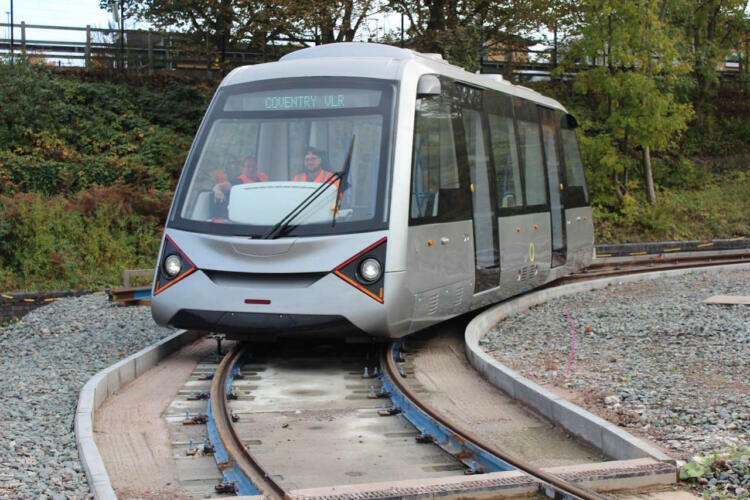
x=284 y=223
x=343 y=175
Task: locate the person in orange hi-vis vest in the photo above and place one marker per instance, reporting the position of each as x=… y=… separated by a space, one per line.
x=250 y=173
x=313 y=170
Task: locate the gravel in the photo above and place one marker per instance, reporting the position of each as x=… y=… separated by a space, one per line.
x=648 y=356
x=46 y=359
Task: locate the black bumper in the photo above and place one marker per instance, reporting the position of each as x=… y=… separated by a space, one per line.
x=265 y=326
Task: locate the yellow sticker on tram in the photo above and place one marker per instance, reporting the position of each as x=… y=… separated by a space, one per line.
x=532 y=253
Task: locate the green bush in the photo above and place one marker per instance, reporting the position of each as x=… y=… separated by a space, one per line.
x=59 y=135
x=82 y=241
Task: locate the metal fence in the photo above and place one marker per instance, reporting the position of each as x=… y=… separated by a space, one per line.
x=139 y=50
x=147 y=51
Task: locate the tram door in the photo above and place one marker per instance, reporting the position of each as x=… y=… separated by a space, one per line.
x=556 y=182
x=476 y=140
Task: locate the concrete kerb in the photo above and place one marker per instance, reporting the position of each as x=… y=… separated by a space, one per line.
x=102 y=385
x=605 y=436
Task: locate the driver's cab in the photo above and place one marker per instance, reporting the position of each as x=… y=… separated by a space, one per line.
x=347 y=121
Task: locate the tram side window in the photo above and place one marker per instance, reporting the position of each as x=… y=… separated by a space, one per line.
x=531 y=151
x=505 y=157
x=576 y=194
x=435 y=185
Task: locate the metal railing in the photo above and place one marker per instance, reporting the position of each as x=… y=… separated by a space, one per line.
x=141 y=50
x=146 y=50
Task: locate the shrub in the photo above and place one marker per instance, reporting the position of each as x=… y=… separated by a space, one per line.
x=81 y=241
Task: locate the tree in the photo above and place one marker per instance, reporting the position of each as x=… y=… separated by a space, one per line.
x=711 y=29
x=631 y=86
x=559 y=20
x=332 y=21
x=461 y=31
x=218 y=24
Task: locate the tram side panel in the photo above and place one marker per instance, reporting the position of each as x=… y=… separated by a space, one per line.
x=440 y=271
x=580 y=237
x=525 y=252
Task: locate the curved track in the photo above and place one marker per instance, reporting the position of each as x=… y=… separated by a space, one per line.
x=560 y=487
x=240 y=458
x=236 y=450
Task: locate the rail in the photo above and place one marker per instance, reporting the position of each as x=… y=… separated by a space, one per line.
x=557 y=485
x=230 y=439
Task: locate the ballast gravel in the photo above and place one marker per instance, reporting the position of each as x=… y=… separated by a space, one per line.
x=46 y=359
x=648 y=356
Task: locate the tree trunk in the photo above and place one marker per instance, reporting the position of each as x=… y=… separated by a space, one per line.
x=648 y=174
x=619 y=191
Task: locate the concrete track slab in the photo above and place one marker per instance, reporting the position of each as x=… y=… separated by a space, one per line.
x=131 y=431
x=310 y=422
x=454 y=388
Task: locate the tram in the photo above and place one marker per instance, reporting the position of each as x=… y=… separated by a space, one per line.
x=368 y=191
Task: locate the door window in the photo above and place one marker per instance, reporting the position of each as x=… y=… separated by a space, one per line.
x=436 y=190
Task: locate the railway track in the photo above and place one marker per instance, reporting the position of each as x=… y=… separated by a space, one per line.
x=247 y=475
x=244 y=474
x=470 y=446
x=615 y=266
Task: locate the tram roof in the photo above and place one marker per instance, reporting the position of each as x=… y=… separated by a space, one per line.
x=372 y=60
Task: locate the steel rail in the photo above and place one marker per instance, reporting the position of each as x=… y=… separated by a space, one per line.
x=604 y=269
x=557 y=484
x=236 y=450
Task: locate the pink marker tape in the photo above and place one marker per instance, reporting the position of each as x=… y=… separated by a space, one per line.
x=573 y=342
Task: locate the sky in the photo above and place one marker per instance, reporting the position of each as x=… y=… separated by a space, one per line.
x=72 y=13
x=79 y=13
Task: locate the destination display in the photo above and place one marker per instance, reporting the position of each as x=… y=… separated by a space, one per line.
x=303 y=100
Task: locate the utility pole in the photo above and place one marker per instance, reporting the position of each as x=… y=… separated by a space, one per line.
x=122 y=36
x=402 y=29
x=11 y=30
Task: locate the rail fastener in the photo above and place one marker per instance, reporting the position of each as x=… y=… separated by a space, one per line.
x=424 y=438
x=226 y=487
x=198 y=419
x=388 y=412
x=197 y=397
x=378 y=395
x=473 y=469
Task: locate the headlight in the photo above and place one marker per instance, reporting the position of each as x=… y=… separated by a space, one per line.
x=172 y=265
x=370 y=270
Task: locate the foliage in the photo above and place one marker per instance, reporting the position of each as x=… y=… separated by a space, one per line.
x=631 y=93
x=710 y=29
x=84 y=240
x=716 y=209
x=62 y=135
x=463 y=31
x=712 y=465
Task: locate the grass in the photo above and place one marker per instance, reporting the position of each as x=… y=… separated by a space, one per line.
x=721 y=209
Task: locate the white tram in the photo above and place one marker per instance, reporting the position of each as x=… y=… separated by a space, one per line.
x=364 y=189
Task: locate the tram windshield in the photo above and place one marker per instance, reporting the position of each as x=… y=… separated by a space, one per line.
x=271 y=159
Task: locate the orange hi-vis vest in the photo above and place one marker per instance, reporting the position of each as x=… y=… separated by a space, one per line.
x=322 y=176
x=261 y=177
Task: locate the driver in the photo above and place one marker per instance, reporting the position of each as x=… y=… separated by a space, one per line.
x=313 y=170
x=249 y=174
